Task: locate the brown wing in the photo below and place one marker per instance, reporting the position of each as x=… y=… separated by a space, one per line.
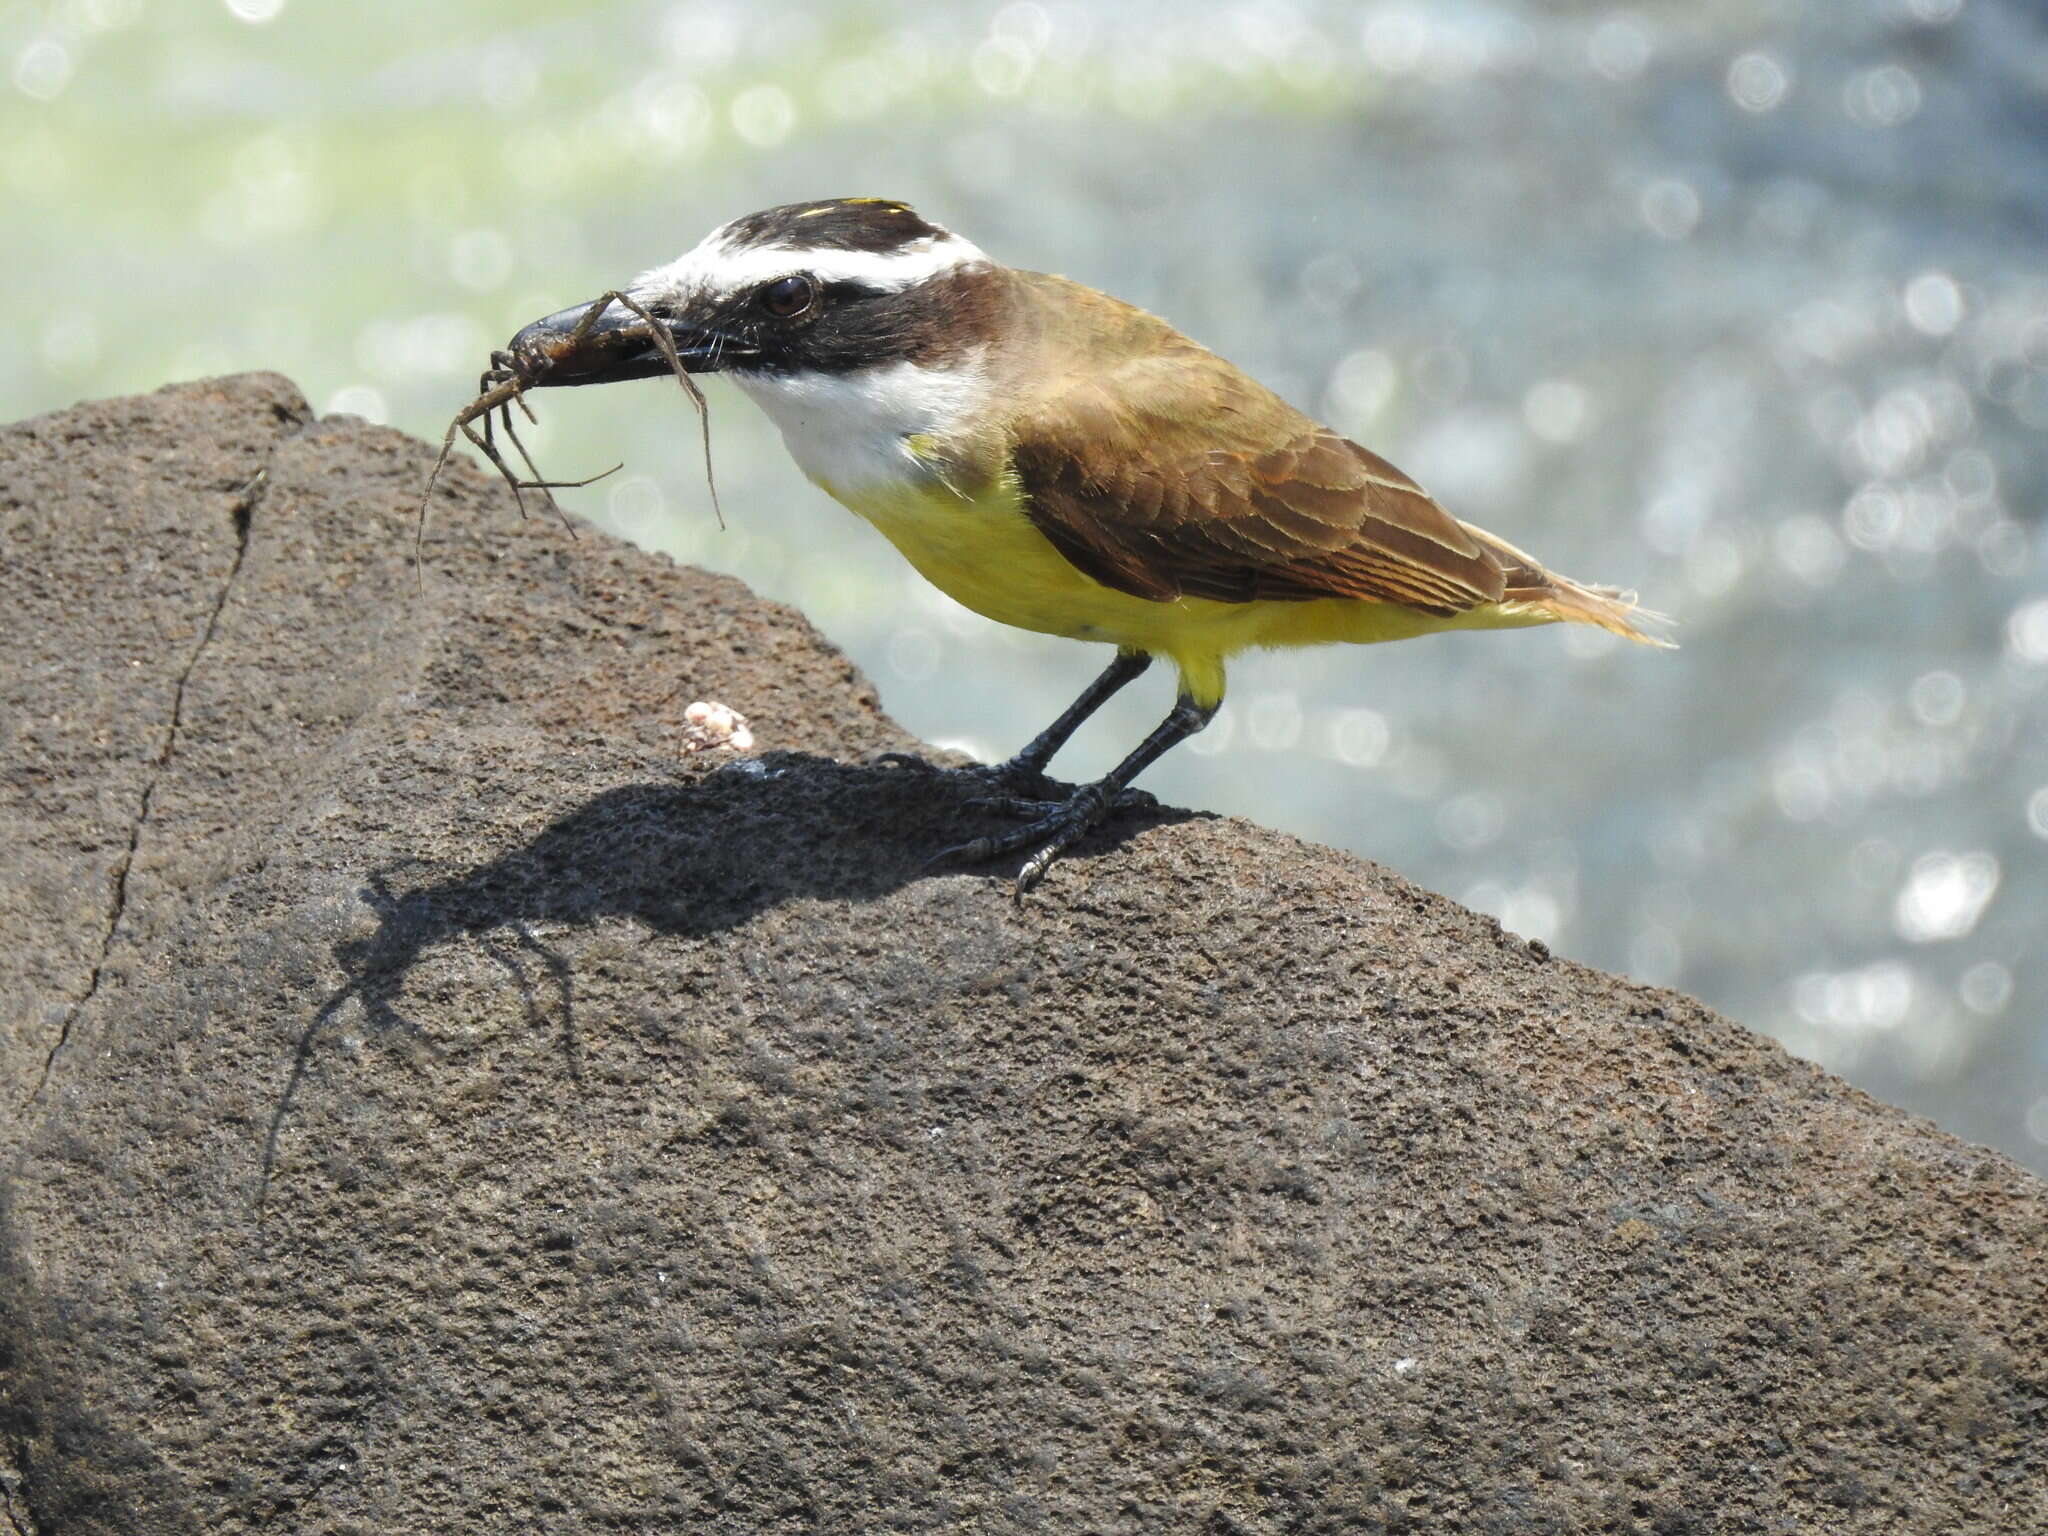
x=1173 y=474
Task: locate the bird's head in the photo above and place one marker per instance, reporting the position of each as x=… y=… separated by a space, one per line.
x=807 y=288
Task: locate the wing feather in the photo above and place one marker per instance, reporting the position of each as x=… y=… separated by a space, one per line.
x=1159 y=470
x=1136 y=493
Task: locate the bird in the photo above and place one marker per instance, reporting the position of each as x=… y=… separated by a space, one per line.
x=1056 y=459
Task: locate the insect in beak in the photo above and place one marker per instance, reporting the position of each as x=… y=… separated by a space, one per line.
x=611 y=339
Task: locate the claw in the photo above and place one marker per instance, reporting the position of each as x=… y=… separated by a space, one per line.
x=974 y=851
x=1015 y=805
x=1019 y=789
x=1035 y=867
x=1064 y=823
x=1021 y=778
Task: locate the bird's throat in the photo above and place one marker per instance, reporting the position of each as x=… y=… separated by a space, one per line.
x=883 y=430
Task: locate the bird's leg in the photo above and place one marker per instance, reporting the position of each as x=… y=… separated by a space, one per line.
x=1071 y=819
x=1027 y=769
x=1028 y=766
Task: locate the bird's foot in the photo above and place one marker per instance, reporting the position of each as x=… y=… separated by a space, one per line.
x=1055 y=826
x=1043 y=807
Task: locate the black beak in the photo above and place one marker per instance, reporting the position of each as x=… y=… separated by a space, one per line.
x=610 y=347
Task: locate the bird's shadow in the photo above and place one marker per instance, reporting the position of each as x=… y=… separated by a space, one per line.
x=690 y=858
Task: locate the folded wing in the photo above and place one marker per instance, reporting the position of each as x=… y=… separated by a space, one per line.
x=1173 y=477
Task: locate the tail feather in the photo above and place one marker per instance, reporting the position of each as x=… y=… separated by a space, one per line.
x=1611 y=608
x=1533 y=590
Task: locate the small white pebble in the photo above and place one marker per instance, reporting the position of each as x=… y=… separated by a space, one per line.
x=715 y=725
x=1405 y=1364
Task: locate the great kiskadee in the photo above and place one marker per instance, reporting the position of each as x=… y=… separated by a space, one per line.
x=1056 y=459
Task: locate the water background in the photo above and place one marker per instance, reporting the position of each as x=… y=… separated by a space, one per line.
x=1745 y=305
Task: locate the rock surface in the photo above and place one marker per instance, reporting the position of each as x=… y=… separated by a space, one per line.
x=435 y=1100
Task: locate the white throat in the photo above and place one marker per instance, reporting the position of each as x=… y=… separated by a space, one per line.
x=851 y=432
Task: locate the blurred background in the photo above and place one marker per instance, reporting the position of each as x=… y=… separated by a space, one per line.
x=1744 y=305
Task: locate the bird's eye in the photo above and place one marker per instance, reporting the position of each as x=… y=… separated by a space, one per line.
x=788 y=296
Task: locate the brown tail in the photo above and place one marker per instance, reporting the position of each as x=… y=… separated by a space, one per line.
x=1531 y=589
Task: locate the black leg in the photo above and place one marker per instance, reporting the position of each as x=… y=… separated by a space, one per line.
x=1069 y=820
x=1030 y=763
x=1026 y=771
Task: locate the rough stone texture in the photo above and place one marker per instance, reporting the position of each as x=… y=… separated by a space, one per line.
x=435 y=1102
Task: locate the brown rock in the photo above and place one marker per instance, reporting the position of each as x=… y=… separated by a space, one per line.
x=437 y=1102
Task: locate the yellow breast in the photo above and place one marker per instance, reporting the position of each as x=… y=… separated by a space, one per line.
x=982 y=551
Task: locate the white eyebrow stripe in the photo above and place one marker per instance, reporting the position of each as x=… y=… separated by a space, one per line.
x=715 y=265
